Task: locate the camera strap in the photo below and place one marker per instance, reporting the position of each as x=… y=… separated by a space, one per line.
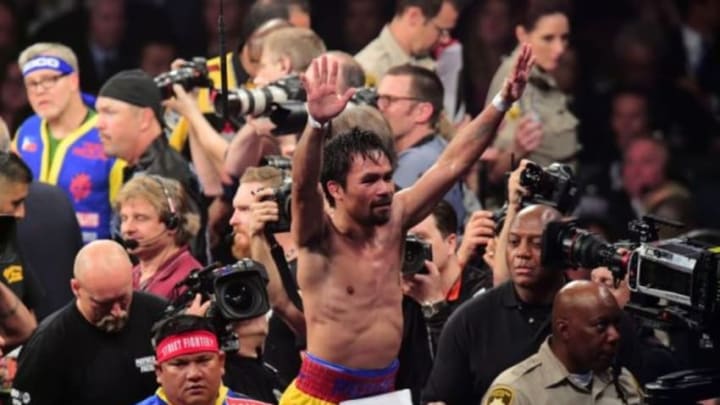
x=284 y=269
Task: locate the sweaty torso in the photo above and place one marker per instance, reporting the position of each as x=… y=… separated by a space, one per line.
x=352 y=296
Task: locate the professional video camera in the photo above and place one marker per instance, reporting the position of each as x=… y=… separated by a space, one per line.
x=238 y=292
x=280 y=194
x=675 y=285
x=554 y=186
x=417 y=251
x=190 y=75
x=259 y=101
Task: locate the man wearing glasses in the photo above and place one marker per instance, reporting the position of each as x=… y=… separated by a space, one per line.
x=411 y=100
x=60 y=142
x=418 y=26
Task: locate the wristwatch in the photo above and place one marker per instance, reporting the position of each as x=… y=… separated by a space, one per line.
x=431 y=309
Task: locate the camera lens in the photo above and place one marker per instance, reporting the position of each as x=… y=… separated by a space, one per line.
x=240 y=298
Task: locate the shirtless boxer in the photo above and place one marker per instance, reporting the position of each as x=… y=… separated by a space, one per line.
x=349 y=260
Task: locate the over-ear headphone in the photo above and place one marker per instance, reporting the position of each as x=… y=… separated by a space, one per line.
x=171 y=219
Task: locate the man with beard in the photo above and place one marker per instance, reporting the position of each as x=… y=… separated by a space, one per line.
x=573 y=366
x=95 y=350
x=350 y=256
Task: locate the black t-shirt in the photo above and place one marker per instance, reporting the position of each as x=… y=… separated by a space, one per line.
x=13 y=273
x=482 y=338
x=50 y=218
x=69 y=361
x=253 y=378
x=420 y=335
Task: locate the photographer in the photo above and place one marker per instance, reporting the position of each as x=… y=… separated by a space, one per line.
x=432 y=289
x=190 y=365
x=157 y=222
x=285 y=52
x=455 y=284
x=255 y=209
x=242 y=63
x=514 y=204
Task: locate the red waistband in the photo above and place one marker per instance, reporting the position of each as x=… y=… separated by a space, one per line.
x=336 y=385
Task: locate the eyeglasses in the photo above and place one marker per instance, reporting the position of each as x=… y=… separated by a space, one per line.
x=443 y=32
x=384 y=100
x=46 y=83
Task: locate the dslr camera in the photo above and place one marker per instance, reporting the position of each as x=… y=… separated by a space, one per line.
x=417 y=251
x=238 y=292
x=281 y=194
x=190 y=75
x=554 y=186
x=260 y=101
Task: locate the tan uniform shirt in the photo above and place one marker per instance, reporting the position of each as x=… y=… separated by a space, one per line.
x=384 y=52
x=544 y=100
x=542 y=379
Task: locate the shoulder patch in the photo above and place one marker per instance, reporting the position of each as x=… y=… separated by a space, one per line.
x=500 y=395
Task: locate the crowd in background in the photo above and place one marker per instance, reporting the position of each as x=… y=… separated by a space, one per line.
x=625 y=92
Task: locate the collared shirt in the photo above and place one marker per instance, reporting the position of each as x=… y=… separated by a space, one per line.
x=385 y=52
x=416 y=160
x=543 y=100
x=543 y=379
x=175 y=269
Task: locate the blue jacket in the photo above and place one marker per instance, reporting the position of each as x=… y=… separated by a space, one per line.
x=80 y=168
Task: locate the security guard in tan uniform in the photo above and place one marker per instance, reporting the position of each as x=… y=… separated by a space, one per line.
x=415 y=29
x=539 y=126
x=573 y=366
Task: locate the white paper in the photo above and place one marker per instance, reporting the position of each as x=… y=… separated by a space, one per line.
x=396 y=398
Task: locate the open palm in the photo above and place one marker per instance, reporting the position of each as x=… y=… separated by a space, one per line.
x=324 y=102
x=518 y=78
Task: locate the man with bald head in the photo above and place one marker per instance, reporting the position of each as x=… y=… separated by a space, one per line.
x=95 y=350
x=502 y=326
x=573 y=366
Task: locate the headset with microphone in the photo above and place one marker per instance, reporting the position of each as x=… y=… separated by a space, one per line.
x=171 y=219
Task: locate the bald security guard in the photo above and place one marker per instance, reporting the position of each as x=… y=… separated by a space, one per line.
x=573 y=366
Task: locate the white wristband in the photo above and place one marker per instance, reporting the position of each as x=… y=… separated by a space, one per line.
x=500 y=103
x=315 y=124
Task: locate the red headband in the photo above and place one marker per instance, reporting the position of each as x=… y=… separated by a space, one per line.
x=186 y=343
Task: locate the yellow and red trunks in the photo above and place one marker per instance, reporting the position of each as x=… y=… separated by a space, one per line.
x=323 y=383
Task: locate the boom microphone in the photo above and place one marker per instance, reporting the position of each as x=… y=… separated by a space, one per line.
x=132 y=244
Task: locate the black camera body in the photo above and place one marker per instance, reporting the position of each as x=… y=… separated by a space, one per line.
x=554 y=186
x=684 y=271
x=190 y=75
x=259 y=101
x=238 y=292
x=417 y=251
x=281 y=194
x=365 y=96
